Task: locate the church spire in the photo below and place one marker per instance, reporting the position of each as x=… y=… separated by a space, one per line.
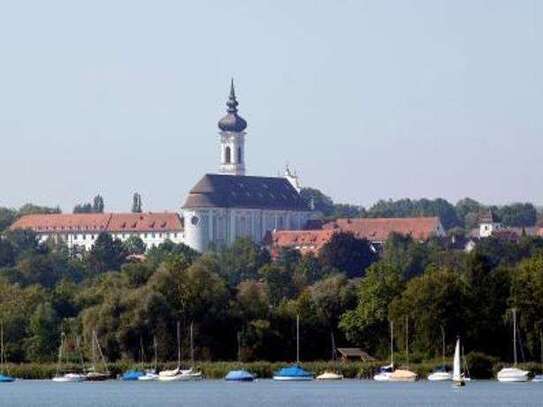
x=232 y=103
x=232 y=133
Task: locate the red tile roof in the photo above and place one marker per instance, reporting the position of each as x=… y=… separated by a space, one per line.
x=379 y=229
x=99 y=222
x=305 y=241
x=374 y=230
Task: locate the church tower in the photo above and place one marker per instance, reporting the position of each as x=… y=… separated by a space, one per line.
x=232 y=133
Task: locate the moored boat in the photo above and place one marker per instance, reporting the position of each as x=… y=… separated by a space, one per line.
x=330 y=376
x=241 y=375
x=457 y=377
x=150 y=375
x=403 y=375
x=441 y=373
x=292 y=373
x=383 y=374
x=131 y=375
x=513 y=374
x=93 y=374
x=538 y=378
x=70 y=378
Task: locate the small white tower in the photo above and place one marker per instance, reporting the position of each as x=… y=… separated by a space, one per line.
x=232 y=133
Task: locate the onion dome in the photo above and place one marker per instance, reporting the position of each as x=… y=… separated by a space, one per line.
x=232 y=121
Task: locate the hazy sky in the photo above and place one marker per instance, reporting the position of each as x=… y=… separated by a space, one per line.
x=365 y=99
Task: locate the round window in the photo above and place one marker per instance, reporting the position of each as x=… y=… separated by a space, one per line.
x=194 y=220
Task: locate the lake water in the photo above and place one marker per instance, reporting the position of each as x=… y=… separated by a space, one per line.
x=264 y=393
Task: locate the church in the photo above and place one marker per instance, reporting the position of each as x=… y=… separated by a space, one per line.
x=219 y=209
x=223 y=207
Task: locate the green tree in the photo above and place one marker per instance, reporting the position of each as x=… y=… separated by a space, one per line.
x=107 y=254
x=7 y=217
x=134 y=245
x=347 y=254
x=518 y=214
x=367 y=324
x=315 y=199
x=44 y=334
x=242 y=261
x=527 y=297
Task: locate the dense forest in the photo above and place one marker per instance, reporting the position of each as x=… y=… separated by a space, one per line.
x=346 y=292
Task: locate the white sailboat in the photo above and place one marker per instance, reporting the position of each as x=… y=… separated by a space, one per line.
x=457 y=377
x=404 y=375
x=441 y=373
x=513 y=374
x=67 y=377
x=384 y=372
x=150 y=375
x=539 y=377
x=179 y=374
x=330 y=375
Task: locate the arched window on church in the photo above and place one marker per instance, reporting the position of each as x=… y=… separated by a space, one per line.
x=240 y=157
x=227 y=155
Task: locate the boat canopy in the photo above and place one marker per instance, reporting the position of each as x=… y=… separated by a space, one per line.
x=239 y=375
x=293 y=371
x=132 y=375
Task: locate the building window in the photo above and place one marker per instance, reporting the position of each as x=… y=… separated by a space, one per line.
x=227 y=155
x=240 y=157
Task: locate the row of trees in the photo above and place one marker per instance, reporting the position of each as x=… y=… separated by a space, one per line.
x=464 y=214
x=345 y=292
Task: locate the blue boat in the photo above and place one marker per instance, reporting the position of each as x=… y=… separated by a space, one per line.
x=239 y=376
x=131 y=375
x=293 y=373
x=6 y=379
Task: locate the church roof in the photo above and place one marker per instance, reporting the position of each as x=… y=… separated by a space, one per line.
x=235 y=191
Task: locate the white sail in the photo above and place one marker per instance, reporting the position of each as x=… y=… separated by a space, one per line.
x=457 y=374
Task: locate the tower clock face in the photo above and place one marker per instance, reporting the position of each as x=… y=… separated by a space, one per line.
x=195 y=220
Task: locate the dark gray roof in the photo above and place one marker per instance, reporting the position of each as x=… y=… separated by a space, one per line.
x=236 y=191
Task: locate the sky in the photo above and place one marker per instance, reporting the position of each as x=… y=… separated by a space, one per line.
x=366 y=100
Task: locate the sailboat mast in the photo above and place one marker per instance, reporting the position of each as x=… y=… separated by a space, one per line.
x=407 y=339
x=191 y=343
x=1 y=345
x=443 y=345
x=392 y=343
x=93 y=346
x=141 y=354
x=178 y=344
x=297 y=338
x=239 y=346
x=156 y=351
x=515 y=335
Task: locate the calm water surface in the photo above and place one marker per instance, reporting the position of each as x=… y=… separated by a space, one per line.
x=264 y=393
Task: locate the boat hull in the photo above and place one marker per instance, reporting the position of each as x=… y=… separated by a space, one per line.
x=293 y=378
x=6 y=379
x=538 y=379
x=513 y=375
x=330 y=376
x=98 y=377
x=148 y=377
x=440 y=377
x=70 y=378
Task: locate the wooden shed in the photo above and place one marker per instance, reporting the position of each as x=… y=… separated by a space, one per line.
x=354 y=355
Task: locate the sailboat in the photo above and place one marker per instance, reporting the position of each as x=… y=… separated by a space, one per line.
x=539 y=377
x=93 y=374
x=4 y=378
x=513 y=374
x=404 y=375
x=179 y=374
x=152 y=374
x=294 y=372
x=384 y=372
x=441 y=373
x=458 y=377
x=328 y=375
x=239 y=375
x=67 y=377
